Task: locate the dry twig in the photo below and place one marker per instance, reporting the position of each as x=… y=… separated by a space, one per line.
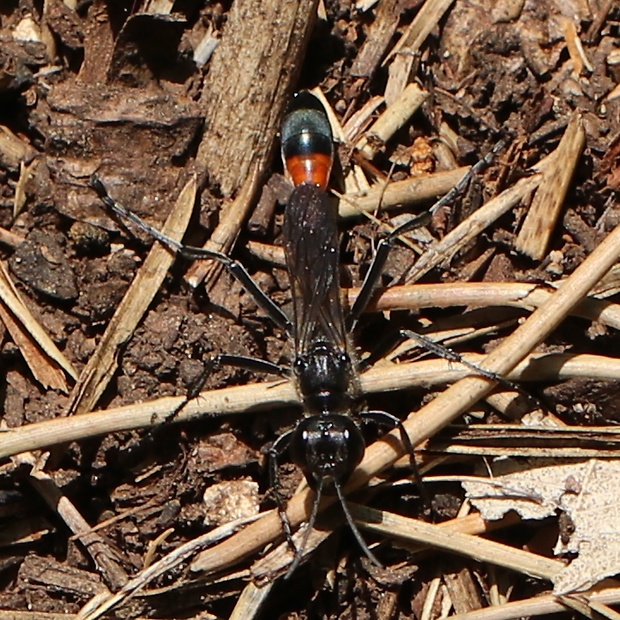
x=545 y=209
x=270 y=395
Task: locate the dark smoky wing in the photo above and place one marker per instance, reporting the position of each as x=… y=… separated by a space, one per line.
x=311 y=246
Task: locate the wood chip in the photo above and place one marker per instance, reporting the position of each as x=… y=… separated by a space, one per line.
x=45 y=360
x=380 y=34
x=394 y=117
x=546 y=206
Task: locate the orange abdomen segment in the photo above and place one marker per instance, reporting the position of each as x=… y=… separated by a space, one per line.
x=307 y=144
x=311 y=168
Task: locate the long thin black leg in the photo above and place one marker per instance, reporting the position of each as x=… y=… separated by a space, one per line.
x=390 y=421
x=234 y=267
x=358 y=536
x=392 y=340
x=312 y=520
x=252 y=364
x=386 y=345
x=387 y=420
x=452 y=356
x=299 y=552
x=383 y=249
x=376 y=268
x=280 y=445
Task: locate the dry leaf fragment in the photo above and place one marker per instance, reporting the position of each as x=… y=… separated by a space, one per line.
x=585 y=492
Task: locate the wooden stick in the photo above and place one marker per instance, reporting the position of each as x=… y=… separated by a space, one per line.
x=394 y=117
x=543 y=214
x=484 y=294
x=541 y=605
x=454 y=541
x=274 y=394
x=401 y=193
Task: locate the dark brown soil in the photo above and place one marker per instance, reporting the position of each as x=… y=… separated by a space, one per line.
x=109 y=89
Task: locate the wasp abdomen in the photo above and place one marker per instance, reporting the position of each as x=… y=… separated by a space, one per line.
x=307 y=144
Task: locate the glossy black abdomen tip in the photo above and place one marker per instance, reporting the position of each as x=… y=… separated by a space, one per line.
x=307 y=143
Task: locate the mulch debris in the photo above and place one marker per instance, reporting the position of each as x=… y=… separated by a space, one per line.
x=116 y=89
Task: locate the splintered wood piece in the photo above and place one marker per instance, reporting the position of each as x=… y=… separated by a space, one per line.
x=103 y=362
x=277 y=561
x=600 y=17
x=547 y=203
x=161 y=7
x=399 y=75
x=401 y=58
x=365 y=5
x=507 y=440
x=394 y=117
x=250 y=601
x=108 y=563
x=427 y=18
x=58 y=577
x=45 y=360
x=379 y=36
x=360 y=119
x=19 y=198
x=248 y=85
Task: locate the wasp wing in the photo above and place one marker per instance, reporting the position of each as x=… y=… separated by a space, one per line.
x=310 y=234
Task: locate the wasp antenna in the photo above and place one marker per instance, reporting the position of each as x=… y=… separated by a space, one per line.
x=358 y=535
x=299 y=552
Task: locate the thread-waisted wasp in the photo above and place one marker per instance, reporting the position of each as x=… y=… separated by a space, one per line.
x=327 y=444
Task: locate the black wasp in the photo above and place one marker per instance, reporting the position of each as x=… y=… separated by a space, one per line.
x=327 y=444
